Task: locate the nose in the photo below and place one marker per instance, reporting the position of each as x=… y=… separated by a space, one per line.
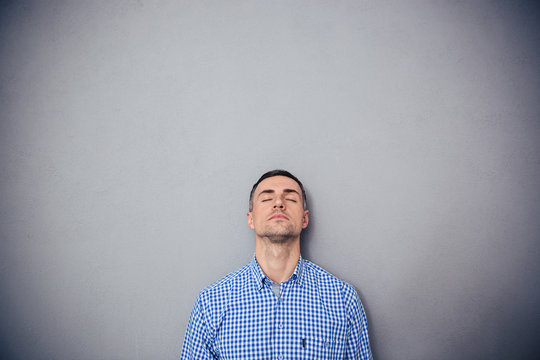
x=278 y=203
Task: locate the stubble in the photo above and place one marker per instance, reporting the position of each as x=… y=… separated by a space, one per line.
x=279 y=235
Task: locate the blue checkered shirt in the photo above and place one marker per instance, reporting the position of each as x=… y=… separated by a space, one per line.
x=315 y=316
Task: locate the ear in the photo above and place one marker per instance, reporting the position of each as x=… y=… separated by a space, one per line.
x=250 y=220
x=306 y=219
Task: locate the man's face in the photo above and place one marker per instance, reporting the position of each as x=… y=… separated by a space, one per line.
x=278 y=209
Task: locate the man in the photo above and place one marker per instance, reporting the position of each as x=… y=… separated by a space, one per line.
x=279 y=306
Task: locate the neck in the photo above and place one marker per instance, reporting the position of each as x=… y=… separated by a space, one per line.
x=277 y=261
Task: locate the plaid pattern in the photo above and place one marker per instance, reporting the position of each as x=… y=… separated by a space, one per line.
x=316 y=316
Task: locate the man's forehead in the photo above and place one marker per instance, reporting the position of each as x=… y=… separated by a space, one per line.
x=277 y=183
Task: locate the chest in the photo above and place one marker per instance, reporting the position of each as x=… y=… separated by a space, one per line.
x=302 y=323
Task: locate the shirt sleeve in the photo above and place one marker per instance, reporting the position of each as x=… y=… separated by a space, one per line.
x=358 y=347
x=197 y=342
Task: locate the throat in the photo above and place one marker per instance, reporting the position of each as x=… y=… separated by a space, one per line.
x=278 y=261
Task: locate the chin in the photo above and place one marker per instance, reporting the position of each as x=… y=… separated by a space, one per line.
x=280 y=237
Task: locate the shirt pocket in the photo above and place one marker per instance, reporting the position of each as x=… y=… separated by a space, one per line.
x=322 y=349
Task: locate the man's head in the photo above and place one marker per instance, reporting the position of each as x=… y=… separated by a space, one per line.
x=272 y=173
x=277 y=207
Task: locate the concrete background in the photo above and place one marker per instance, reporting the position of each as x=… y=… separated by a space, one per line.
x=131 y=134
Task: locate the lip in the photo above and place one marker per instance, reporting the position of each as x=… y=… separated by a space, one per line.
x=279 y=217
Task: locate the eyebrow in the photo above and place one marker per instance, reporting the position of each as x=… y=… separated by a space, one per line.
x=270 y=191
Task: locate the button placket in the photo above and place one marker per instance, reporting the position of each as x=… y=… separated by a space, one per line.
x=278 y=326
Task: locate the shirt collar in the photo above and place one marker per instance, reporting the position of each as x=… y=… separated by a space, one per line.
x=260 y=277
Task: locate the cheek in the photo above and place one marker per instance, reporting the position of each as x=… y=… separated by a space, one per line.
x=255 y=218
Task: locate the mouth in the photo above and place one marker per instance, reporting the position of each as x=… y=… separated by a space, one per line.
x=279 y=217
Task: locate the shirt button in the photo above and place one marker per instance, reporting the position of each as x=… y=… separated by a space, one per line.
x=280 y=326
x=280 y=357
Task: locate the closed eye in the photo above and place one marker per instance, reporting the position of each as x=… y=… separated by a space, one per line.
x=293 y=200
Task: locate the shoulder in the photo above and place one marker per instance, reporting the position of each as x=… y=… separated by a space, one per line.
x=220 y=289
x=213 y=300
x=329 y=284
x=325 y=278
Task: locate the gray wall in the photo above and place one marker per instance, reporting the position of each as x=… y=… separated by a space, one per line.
x=131 y=133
